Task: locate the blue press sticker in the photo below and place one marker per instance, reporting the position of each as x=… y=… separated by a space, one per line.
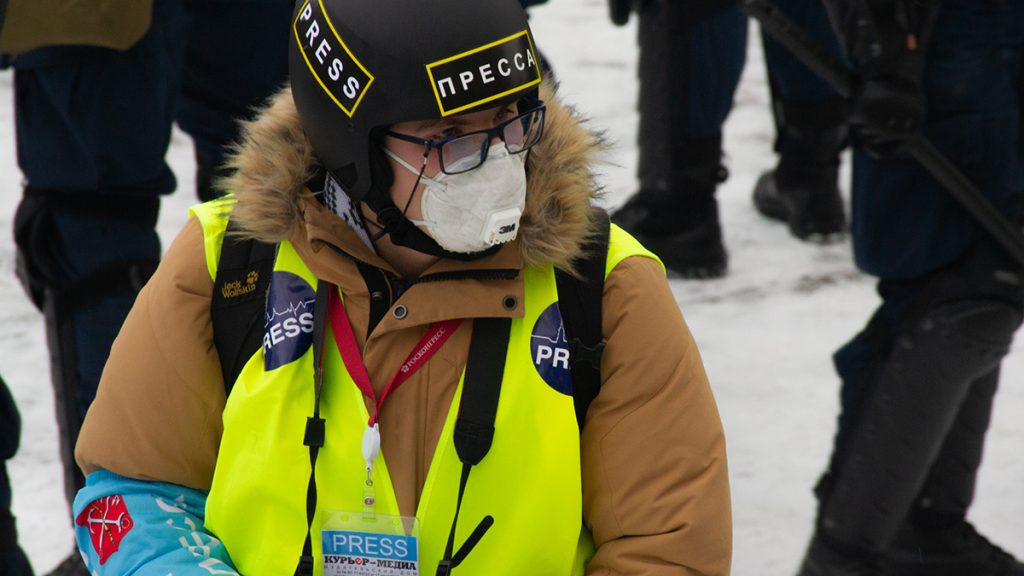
x=550 y=350
x=288 y=329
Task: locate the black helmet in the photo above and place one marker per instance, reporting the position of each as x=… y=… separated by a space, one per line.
x=359 y=64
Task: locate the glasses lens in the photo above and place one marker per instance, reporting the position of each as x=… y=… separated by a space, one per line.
x=464 y=153
x=469 y=151
x=524 y=131
x=513 y=132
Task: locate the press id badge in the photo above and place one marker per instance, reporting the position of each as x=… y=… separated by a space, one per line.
x=359 y=544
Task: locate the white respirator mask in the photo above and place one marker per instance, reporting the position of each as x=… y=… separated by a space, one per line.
x=470 y=212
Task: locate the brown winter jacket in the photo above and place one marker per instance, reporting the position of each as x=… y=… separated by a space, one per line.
x=655 y=483
x=114 y=24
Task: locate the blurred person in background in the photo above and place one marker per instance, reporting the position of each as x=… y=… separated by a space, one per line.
x=919 y=381
x=691 y=57
x=98 y=86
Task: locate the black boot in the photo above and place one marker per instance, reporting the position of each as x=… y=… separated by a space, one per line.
x=952 y=548
x=675 y=213
x=803 y=188
x=825 y=558
x=680 y=226
x=936 y=540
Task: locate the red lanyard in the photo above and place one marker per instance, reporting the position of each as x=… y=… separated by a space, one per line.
x=428 y=345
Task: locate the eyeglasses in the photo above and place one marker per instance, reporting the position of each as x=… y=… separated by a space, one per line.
x=466 y=152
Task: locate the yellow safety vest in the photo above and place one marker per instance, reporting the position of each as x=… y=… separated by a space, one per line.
x=529 y=482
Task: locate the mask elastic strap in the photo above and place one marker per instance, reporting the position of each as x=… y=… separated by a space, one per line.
x=389 y=226
x=417 y=171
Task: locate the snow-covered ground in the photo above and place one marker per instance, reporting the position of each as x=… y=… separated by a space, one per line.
x=766 y=331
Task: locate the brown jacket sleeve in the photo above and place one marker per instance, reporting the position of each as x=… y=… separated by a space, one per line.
x=656 y=487
x=157 y=414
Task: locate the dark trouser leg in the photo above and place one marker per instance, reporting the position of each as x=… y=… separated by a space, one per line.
x=949 y=488
x=236 y=59
x=12 y=559
x=67 y=396
x=209 y=173
x=907 y=417
x=93 y=126
x=917 y=395
x=691 y=56
x=811 y=132
x=82 y=258
x=885 y=457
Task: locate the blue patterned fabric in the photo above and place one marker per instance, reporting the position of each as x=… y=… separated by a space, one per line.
x=157 y=528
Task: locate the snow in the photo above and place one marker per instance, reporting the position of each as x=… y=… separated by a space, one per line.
x=766 y=331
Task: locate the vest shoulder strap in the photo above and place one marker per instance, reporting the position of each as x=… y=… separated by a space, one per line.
x=240 y=300
x=236 y=310
x=580 y=303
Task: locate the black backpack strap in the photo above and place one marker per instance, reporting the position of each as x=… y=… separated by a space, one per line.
x=239 y=301
x=474 y=427
x=579 y=302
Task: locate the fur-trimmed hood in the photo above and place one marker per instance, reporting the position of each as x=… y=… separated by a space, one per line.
x=275 y=160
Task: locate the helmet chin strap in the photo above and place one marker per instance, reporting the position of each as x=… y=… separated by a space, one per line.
x=392 y=222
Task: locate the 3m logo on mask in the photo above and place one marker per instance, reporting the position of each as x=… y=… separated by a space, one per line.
x=483 y=74
x=288 y=330
x=329 y=59
x=550 y=350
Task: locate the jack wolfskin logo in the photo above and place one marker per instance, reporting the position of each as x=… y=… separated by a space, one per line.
x=236 y=288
